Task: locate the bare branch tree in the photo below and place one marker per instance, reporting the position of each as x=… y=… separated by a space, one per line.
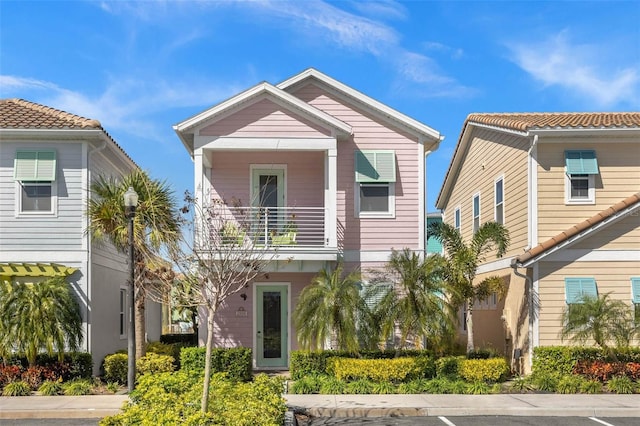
x=228 y=252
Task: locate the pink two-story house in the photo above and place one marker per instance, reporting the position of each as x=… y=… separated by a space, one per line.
x=342 y=170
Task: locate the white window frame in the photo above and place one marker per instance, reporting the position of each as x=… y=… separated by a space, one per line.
x=473 y=212
x=457 y=218
x=495 y=200
x=122 y=312
x=591 y=196
x=36 y=213
x=389 y=214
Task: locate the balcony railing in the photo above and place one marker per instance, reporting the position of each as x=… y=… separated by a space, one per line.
x=289 y=227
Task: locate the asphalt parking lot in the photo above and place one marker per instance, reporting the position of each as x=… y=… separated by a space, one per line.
x=476 y=421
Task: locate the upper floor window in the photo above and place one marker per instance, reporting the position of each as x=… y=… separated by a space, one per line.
x=581 y=168
x=476 y=212
x=499 y=200
x=635 y=297
x=576 y=289
x=457 y=218
x=35 y=174
x=375 y=175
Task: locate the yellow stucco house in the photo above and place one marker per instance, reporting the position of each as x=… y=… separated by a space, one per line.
x=566 y=187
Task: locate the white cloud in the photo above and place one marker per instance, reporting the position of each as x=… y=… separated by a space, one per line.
x=582 y=69
x=453 y=52
x=387 y=9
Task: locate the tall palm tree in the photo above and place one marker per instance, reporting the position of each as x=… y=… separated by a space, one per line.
x=328 y=310
x=156 y=225
x=39 y=316
x=601 y=319
x=415 y=301
x=462 y=262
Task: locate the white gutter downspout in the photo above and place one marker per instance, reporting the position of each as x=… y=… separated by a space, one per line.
x=532 y=197
x=88 y=237
x=532 y=303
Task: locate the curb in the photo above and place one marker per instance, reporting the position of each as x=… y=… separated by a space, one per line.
x=76 y=413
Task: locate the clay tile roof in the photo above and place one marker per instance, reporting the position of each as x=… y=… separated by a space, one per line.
x=21 y=114
x=558 y=120
x=578 y=228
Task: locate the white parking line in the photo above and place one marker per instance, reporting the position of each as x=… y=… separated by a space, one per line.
x=601 y=421
x=446 y=421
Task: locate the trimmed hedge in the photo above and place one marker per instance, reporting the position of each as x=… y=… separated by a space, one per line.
x=184 y=339
x=80 y=364
x=116 y=368
x=561 y=360
x=305 y=363
x=236 y=362
x=379 y=370
x=491 y=370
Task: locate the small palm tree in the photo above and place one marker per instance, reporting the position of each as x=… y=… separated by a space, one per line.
x=42 y=316
x=328 y=310
x=156 y=225
x=462 y=261
x=602 y=319
x=415 y=301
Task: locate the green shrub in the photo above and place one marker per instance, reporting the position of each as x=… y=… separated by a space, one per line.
x=447 y=367
x=74 y=364
x=185 y=340
x=591 y=386
x=307 y=385
x=77 y=387
x=174 y=398
x=18 y=388
x=116 y=368
x=478 y=387
x=113 y=387
x=489 y=370
x=620 y=385
x=378 y=370
x=426 y=366
x=546 y=382
x=484 y=353
x=171 y=349
x=153 y=363
x=384 y=388
x=569 y=384
x=50 y=388
x=236 y=362
x=360 y=387
x=521 y=385
x=331 y=386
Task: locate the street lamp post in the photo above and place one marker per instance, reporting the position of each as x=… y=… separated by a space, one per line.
x=130 y=204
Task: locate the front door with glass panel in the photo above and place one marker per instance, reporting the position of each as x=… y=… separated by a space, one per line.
x=272 y=319
x=268 y=193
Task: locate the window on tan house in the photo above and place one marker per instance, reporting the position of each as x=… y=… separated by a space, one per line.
x=581 y=167
x=635 y=298
x=375 y=176
x=476 y=212
x=499 y=200
x=457 y=220
x=35 y=175
x=578 y=288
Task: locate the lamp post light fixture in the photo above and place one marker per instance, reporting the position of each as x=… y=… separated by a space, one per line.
x=130 y=204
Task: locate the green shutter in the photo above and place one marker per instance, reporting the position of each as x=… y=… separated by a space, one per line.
x=581 y=162
x=576 y=288
x=30 y=166
x=375 y=166
x=635 y=290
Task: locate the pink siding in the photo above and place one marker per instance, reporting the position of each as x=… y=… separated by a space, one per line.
x=232 y=330
x=231 y=175
x=371 y=133
x=266 y=119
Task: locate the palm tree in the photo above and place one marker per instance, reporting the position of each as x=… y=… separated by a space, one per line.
x=39 y=316
x=599 y=318
x=462 y=262
x=328 y=310
x=415 y=301
x=156 y=225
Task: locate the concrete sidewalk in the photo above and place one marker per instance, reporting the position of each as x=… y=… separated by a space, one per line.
x=602 y=405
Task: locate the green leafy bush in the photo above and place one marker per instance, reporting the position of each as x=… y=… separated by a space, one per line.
x=478 y=387
x=116 y=368
x=332 y=386
x=521 y=385
x=620 y=385
x=307 y=385
x=180 y=338
x=489 y=370
x=153 y=363
x=447 y=367
x=236 y=362
x=569 y=384
x=360 y=387
x=378 y=370
x=77 y=387
x=50 y=388
x=591 y=386
x=384 y=388
x=170 y=349
x=74 y=364
x=174 y=398
x=17 y=388
x=546 y=382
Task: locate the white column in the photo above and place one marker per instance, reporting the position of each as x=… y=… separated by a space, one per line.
x=331 y=197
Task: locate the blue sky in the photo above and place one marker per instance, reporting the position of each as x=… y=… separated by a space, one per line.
x=140 y=67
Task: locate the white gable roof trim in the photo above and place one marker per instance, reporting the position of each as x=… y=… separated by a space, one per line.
x=413 y=125
x=262 y=90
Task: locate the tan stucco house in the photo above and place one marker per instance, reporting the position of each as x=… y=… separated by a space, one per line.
x=566 y=187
